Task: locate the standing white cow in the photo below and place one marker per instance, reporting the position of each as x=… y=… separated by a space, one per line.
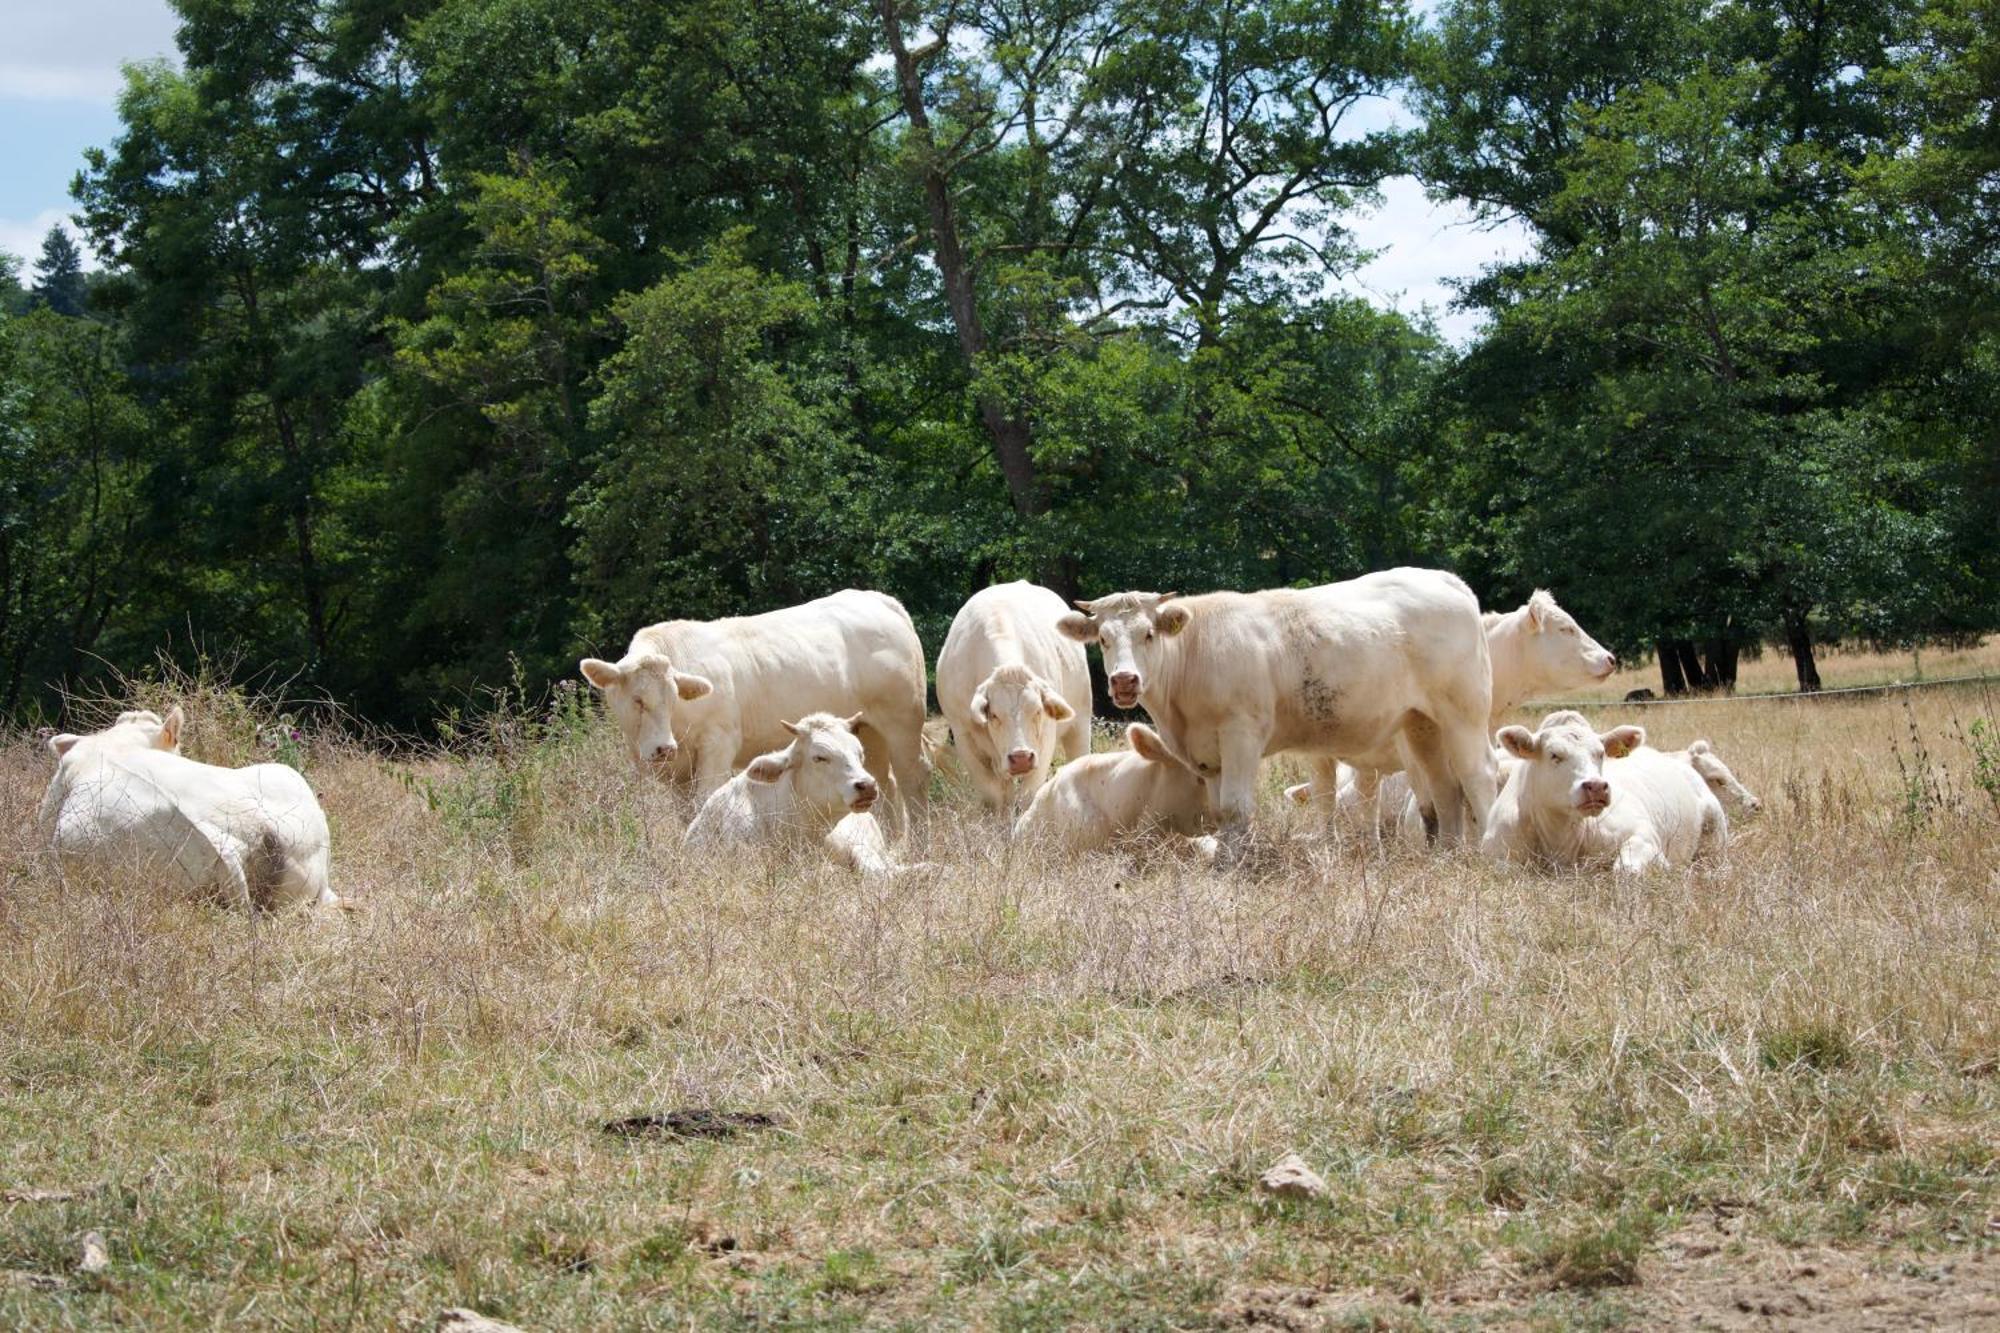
x=1013 y=689
x=700 y=698
x=814 y=790
x=1102 y=797
x=1533 y=649
x=125 y=802
x=1364 y=670
x=1578 y=797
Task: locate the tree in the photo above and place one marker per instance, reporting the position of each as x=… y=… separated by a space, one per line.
x=59 y=282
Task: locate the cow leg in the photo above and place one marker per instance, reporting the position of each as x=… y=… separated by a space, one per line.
x=1430 y=780
x=875 y=758
x=1469 y=756
x=715 y=763
x=1241 y=750
x=1639 y=855
x=1075 y=738
x=913 y=771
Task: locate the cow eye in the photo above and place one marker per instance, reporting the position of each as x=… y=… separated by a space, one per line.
x=1149 y=636
x=819 y=759
x=1555 y=756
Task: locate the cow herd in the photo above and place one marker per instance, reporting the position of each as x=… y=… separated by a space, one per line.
x=806 y=725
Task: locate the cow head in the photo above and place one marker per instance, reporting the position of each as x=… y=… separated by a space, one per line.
x=643 y=692
x=1177 y=796
x=825 y=764
x=1020 y=712
x=1132 y=628
x=135 y=729
x=1708 y=766
x=1563 y=762
x=1556 y=649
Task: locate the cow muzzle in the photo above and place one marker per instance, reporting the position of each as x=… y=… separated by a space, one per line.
x=865 y=794
x=664 y=754
x=1125 y=689
x=1593 y=795
x=1020 y=763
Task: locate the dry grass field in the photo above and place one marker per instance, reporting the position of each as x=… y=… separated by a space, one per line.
x=1014 y=1093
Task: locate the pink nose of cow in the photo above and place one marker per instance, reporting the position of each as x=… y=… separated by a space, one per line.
x=1593 y=793
x=1124 y=686
x=865 y=792
x=1020 y=761
x=664 y=754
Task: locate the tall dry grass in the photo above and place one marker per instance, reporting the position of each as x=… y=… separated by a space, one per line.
x=1010 y=1090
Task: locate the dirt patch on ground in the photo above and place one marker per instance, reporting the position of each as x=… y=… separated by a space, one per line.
x=1696 y=1279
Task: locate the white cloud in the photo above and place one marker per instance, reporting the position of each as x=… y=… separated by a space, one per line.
x=1420 y=244
x=23 y=239
x=72 y=49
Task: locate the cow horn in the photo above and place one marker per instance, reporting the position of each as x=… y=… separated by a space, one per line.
x=1081 y=605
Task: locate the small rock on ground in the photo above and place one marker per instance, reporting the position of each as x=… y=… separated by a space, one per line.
x=92 y=1256
x=1290 y=1178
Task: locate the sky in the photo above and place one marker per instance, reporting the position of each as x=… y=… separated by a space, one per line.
x=59 y=82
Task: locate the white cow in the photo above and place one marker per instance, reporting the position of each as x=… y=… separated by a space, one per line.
x=1013 y=689
x=1362 y=670
x=1092 y=801
x=1579 y=797
x=817 y=789
x=700 y=698
x=125 y=802
x=1533 y=649
x=1708 y=765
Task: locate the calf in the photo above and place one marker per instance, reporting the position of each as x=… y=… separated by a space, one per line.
x=1103 y=797
x=126 y=802
x=815 y=789
x=1708 y=766
x=1578 y=797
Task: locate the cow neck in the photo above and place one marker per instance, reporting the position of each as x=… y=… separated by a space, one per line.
x=1160 y=692
x=1564 y=834
x=1519 y=687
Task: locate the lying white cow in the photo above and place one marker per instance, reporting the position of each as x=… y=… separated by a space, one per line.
x=1578 y=797
x=1708 y=766
x=125 y=802
x=1357 y=670
x=1095 y=800
x=700 y=698
x=814 y=790
x=1533 y=649
x=1013 y=689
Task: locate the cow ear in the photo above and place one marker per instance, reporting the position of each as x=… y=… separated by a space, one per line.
x=690 y=686
x=1699 y=747
x=770 y=767
x=1078 y=626
x=1146 y=743
x=981 y=707
x=1539 y=606
x=1621 y=741
x=853 y=721
x=792 y=727
x=59 y=745
x=1518 y=741
x=170 y=730
x=601 y=673
x=1056 y=706
x=1172 y=619
x=1300 y=793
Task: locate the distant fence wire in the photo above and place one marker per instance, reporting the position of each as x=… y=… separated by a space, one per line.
x=1790 y=696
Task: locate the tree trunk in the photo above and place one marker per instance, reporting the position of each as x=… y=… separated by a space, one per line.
x=1009 y=434
x=1720 y=672
x=1672 y=680
x=1798 y=637
x=1690 y=662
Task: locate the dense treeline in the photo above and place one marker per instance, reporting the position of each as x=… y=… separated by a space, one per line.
x=437 y=332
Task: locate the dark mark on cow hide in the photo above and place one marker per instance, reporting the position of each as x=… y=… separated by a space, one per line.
x=1320 y=700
